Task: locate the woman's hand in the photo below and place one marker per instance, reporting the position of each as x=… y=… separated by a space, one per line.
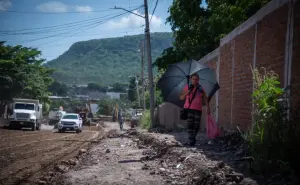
x=184 y=94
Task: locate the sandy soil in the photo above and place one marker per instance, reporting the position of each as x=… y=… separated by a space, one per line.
x=26 y=154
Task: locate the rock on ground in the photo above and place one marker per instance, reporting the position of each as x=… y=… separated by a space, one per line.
x=135 y=157
x=116 y=160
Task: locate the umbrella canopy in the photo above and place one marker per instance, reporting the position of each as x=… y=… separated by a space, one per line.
x=177 y=76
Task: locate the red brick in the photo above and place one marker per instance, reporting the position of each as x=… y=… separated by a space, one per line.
x=271 y=38
x=242 y=79
x=225 y=82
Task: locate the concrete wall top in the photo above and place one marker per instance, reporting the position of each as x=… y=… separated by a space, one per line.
x=210 y=56
x=267 y=9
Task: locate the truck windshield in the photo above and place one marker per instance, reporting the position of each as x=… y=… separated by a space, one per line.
x=70 y=117
x=24 y=106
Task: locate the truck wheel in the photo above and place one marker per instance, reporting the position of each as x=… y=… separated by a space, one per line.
x=33 y=126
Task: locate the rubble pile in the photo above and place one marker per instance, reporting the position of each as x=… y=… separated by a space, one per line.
x=180 y=165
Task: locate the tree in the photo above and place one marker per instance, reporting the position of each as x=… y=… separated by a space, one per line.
x=58 y=89
x=132 y=95
x=96 y=87
x=158 y=96
x=106 y=106
x=198 y=30
x=22 y=74
x=116 y=87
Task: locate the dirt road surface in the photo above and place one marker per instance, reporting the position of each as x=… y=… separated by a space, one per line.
x=25 y=154
x=108 y=156
x=114 y=161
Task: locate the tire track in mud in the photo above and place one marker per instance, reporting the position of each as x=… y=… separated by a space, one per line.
x=22 y=152
x=19 y=133
x=13 y=157
x=43 y=138
x=17 y=139
x=28 y=167
x=9 y=160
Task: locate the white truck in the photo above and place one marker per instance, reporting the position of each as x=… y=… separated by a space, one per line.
x=26 y=113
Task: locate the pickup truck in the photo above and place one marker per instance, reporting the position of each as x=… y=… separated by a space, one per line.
x=70 y=122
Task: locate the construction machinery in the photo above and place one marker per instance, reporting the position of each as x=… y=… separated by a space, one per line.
x=86 y=113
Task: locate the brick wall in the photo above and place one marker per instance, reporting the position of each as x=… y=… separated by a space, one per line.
x=295 y=76
x=259 y=42
x=242 y=79
x=225 y=81
x=271 y=38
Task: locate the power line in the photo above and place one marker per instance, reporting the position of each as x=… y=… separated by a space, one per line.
x=55 y=34
x=91 y=26
x=90 y=34
x=57 y=26
x=61 y=30
x=71 y=23
x=25 y=12
x=154 y=10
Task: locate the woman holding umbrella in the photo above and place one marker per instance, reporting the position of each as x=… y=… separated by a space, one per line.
x=193 y=96
x=176 y=89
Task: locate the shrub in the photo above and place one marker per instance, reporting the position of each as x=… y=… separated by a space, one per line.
x=145 y=120
x=106 y=106
x=272 y=136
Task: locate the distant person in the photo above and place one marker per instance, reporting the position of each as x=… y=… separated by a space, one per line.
x=120 y=119
x=193 y=94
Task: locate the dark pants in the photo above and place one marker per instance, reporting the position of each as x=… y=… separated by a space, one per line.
x=121 y=125
x=193 y=122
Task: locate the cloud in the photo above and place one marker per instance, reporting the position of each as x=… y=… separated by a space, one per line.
x=53 y=7
x=5 y=5
x=134 y=21
x=59 y=7
x=83 y=8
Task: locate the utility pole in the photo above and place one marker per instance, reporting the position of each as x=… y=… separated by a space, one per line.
x=137 y=90
x=142 y=74
x=149 y=56
x=150 y=72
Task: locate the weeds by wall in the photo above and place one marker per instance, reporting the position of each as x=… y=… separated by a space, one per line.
x=273 y=138
x=145 y=120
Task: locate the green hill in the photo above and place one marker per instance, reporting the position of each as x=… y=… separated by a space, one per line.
x=105 y=61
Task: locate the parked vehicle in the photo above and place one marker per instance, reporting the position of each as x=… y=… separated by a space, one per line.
x=25 y=113
x=70 y=122
x=135 y=117
x=55 y=116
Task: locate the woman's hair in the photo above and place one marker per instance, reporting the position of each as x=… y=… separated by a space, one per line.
x=195 y=74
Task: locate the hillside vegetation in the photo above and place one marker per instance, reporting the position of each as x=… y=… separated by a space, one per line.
x=105 y=61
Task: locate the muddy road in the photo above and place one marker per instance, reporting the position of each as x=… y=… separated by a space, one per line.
x=25 y=154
